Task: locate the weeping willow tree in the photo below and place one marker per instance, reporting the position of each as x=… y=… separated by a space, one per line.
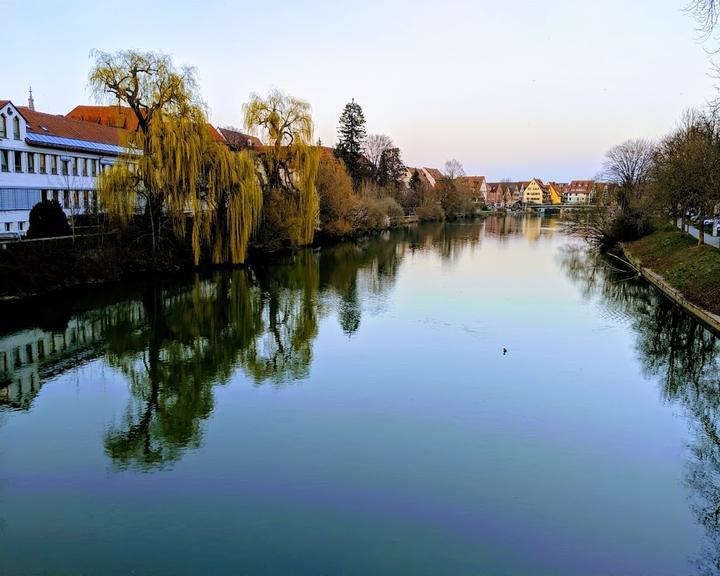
x=174 y=167
x=289 y=160
x=198 y=179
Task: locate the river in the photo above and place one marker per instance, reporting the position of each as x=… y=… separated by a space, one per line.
x=473 y=398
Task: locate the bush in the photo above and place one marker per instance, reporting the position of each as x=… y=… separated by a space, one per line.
x=338 y=202
x=377 y=214
x=47 y=220
x=430 y=211
x=630 y=225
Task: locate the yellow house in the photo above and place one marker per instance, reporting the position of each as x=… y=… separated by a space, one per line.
x=534 y=192
x=554 y=193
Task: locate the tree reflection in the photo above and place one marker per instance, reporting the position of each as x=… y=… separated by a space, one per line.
x=684 y=355
x=262 y=321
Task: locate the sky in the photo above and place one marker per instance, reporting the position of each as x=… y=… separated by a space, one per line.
x=513 y=88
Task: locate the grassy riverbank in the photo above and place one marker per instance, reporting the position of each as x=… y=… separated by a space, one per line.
x=691 y=269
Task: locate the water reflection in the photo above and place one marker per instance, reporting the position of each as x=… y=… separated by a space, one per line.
x=175 y=342
x=683 y=354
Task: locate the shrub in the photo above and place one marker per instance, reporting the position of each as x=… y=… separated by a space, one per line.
x=377 y=214
x=430 y=211
x=47 y=220
x=338 y=202
x=630 y=225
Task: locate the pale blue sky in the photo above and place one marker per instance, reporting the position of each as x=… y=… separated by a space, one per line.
x=510 y=88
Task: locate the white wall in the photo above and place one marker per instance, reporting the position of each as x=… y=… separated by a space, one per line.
x=38 y=181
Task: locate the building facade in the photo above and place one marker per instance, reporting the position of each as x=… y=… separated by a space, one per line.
x=49 y=156
x=534 y=192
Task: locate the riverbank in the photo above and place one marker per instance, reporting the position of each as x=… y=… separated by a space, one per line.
x=40 y=267
x=686 y=272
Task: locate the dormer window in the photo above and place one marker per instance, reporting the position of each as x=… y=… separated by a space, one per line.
x=16 y=128
x=3 y=126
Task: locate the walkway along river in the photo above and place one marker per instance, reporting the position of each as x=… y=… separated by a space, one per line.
x=351 y=411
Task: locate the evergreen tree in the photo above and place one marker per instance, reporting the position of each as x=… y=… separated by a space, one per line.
x=390 y=168
x=415 y=181
x=351 y=140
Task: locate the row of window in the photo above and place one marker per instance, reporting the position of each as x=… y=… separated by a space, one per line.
x=12 y=227
x=70 y=199
x=3 y=127
x=32 y=163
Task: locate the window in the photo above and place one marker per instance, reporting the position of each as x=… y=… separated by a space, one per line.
x=86 y=199
x=83 y=166
x=31 y=163
x=16 y=128
x=21 y=226
x=74 y=162
x=66 y=199
x=7 y=226
x=65 y=168
x=55 y=195
x=43 y=168
x=18 y=161
x=76 y=199
x=45 y=194
x=93 y=167
x=53 y=164
x=3 y=126
x=4 y=166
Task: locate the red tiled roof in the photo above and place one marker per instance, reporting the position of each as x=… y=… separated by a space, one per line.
x=112 y=116
x=474 y=181
x=238 y=141
x=53 y=125
x=435 y=173
x=581 y=186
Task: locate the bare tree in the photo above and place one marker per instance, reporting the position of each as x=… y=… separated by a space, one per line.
x=453 y=169
x=706 y=12
x=375 y=145
x=628 y=166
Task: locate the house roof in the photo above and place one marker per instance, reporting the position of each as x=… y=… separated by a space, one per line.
x=474 y=182
x=111 y=116
x=53 y=125
x=581 y=186
x=434 y=173
x=239 y=141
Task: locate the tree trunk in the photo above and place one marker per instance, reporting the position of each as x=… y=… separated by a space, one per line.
x=701 y=229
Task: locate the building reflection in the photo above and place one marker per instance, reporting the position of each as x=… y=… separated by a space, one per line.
x=685 y=357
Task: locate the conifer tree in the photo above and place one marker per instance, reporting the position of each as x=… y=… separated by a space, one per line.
x=351 y=140
x=391 y=168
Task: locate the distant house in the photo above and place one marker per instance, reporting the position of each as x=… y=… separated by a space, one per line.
x=555 y=193
x=579 y=192
x=478 y=188
x=424 y=180
x=500 y=194
x=238 y=141
x=535 y=192
x=433 y=175
x=493 y=196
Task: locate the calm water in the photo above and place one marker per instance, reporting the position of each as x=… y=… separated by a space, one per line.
x=352 y=412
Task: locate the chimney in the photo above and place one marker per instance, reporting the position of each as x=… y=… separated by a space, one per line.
x=31 y=101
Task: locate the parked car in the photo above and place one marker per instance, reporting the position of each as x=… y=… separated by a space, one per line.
x=709 y=221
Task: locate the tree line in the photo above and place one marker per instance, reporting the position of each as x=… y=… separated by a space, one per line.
x=676 y=178
x=180 y=185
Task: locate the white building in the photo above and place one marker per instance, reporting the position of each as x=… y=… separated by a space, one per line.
x=49 y=156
